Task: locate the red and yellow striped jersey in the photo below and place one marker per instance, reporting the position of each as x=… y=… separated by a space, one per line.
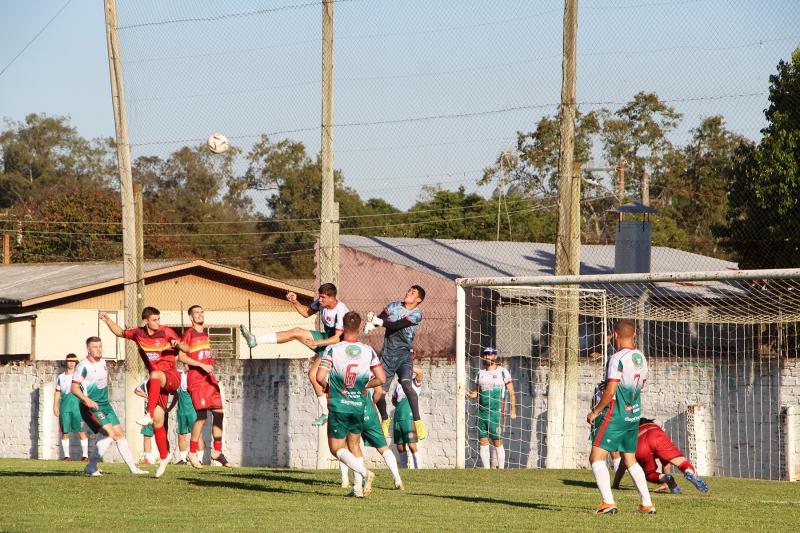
x=155 y=350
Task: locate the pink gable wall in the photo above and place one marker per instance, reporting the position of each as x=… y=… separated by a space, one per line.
x=368 y=283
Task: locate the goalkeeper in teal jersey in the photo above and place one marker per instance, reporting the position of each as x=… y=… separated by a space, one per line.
x=65 y=408
x=615 y=418
x=405 y=435
x=347 y=370
x=493 y=387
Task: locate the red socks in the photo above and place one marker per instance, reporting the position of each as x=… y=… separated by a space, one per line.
x=193 y=446
x=153 y=393
x=161 y=441
x=217 y=445
x=686 y=465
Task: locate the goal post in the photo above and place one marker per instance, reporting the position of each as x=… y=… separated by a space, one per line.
x=722 y=348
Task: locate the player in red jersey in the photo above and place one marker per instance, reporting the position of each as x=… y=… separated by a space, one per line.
x=654 y=444
x=203 y=387
x=158 y=347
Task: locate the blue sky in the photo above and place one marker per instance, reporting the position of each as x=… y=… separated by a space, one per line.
x=427 y=92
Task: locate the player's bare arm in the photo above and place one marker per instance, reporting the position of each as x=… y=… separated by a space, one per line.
x=78 y=392
x=56 y=402
x=512 y=399
x=184 y=358
x=378 y=378
x=608 y=394
x=113 y=326
x=304 y=310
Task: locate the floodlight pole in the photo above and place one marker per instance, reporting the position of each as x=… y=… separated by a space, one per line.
x=329 y=210
x=563 y=375
x=129 y=264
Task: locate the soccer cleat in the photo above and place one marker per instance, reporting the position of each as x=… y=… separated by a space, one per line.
x=145 y=461
x=65 y=459
x=92 y=469
x=357 y=492
x=419 y=426
x=646 y=509
x=139 y=472
x=606 y=508
x=84 y=459
x=181 y=462
x=385 y=427
x=221 y=460
x=672 y=484
x=345 y=485
x=145 y=420
x=695 y=480
x=368 y=484
x=398 y=484
x=162 y=466
x=249 y=337
x=194 y=461
x=321 y=419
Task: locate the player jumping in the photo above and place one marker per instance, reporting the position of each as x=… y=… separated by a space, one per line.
x=90 y=386
x=203 y=387
x=158 y=347
x=347 y=370
x=331 y=311
x=66 y=409
x=490 y=386
x=615 y=420
x=401 y=320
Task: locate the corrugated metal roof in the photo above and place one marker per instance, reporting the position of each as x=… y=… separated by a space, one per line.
x=24 y=281
x=452 y=258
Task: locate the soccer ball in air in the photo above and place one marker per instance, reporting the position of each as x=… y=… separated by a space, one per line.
x=218 y=143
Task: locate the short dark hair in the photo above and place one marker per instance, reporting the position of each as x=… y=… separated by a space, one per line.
x=625 y=327
x=148 y=311
x=420 y=291
x=92 y=339
x=192 y=308
x=352 y=321
x=328 y=289
x=72 y=356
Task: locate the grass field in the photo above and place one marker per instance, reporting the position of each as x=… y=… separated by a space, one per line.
x=49 y=495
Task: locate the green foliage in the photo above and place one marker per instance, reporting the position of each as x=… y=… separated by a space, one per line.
x=763 y=222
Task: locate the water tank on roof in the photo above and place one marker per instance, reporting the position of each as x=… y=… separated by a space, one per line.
x=633 y=238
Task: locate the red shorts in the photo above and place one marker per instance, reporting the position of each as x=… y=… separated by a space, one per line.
x=172 y=386
x=204 y=390
x=652 y=445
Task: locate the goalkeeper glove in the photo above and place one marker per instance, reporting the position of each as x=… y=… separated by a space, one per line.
x=375 y=321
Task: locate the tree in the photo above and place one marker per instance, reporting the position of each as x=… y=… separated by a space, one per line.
x=763 y=220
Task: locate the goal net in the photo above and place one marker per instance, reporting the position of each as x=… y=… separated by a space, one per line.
x=721 y=346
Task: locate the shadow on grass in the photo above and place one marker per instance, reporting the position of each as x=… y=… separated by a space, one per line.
x=272 y=476
x=18 y=473
x=235 y=485
x=579 y=483
x=481 y=499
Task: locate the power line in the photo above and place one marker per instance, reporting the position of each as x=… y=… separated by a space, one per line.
x=35 y=37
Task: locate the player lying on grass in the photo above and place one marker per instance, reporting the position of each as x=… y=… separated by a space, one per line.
x=66 y=408
x=405 y=438
x=490 y=386
x=90 y=386
x=401 y=320
x=615 y=420
x=347 y=370
x=655 y=444
x=331 y=312
x=158 y=346
x=203 y=387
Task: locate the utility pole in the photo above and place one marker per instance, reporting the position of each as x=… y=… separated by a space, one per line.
x=129 y=267
x=6 y=248
x=329 y=210
x=621 y=181
x=138 y=205
x=562 y=390
x=645 y=188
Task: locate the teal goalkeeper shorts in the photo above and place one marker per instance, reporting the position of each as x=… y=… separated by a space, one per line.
x=69 y=415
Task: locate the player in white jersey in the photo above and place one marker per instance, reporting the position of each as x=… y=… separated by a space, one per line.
x=65 y=408
x=331 y=312
x=493 y=386
x=405 y=435
x=615 y=419
x=90 y=386
x=347 y=370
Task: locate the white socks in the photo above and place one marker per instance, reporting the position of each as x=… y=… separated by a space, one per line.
x=125 y=452
x=323 y=403
x=358 y=479
x=391 y=462
x=501 y=457
x=484 y=453
x=352 y=461
x=417 y=459
x=616 y=463
x=640 y=481
x=267 y=338
x=65 y=447
x=603 y=479
x=84 y=448
x=151 y=456
x=345 y=473
x=183 y=454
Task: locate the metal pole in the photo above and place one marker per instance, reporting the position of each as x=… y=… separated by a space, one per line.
x=461 y=377
x=6 y=248
x=329 y=217
x=563 y=354
x=249 y=324
x=129 y=267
